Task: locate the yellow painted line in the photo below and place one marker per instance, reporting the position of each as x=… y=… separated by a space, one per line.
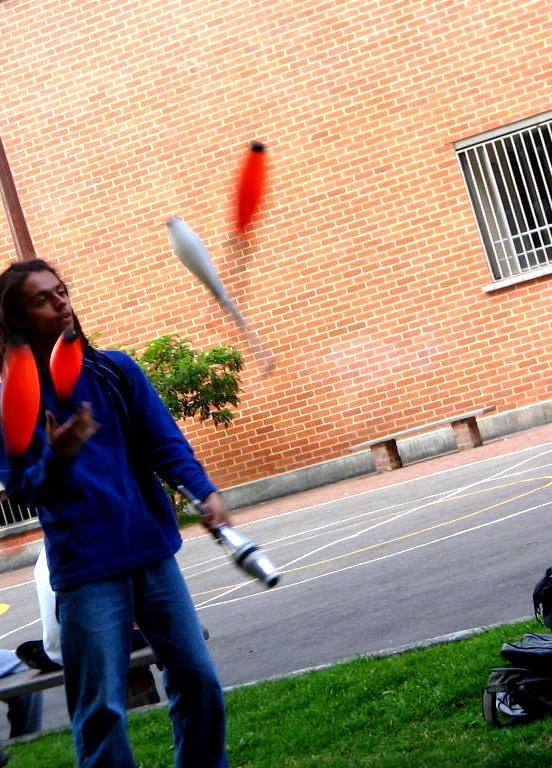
x=405 y=536
x=382 y=514
x=220 y=589
x=4 y=607
x=425 y=530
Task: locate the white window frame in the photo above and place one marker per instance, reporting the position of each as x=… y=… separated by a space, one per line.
x=508 y=175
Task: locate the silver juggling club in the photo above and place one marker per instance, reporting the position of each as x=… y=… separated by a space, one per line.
x=242 y=550
x=192 y=252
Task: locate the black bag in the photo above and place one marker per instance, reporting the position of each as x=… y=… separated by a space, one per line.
x=529 y=682
x=535 y=652
x=542 y=599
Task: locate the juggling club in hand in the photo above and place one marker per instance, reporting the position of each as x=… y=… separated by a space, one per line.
x=20 y=398
x=66 y=363
x=244 y=553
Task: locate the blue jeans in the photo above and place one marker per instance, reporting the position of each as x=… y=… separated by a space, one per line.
x=24 y=712
x=96 y=623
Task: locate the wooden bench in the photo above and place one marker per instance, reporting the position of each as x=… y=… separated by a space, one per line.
x=465 y=428
x=22 y=683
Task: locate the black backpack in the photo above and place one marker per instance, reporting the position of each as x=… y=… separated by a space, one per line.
x=542 y=599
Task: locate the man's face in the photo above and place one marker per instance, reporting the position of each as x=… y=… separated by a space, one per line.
x=46 y=308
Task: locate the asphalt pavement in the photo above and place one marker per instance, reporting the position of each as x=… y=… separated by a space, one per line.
x=435 y=550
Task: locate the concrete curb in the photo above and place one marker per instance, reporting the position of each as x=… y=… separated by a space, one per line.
x=25 y=555
x=411 y=449
x=453 y=637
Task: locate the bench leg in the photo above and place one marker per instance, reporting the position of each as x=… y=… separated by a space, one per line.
x=386 y=456
x=466 y=432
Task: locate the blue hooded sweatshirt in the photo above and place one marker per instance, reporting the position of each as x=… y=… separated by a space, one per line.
x=107 y=512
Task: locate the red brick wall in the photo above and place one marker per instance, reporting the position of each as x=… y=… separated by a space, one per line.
x=363 y=271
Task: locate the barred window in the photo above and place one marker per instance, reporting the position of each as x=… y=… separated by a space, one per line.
x=508 y=174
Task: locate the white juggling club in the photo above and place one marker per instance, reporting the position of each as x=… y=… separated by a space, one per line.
x=192 y=252
x=246 y=555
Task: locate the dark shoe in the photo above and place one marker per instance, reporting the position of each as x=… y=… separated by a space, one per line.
x=33 y=655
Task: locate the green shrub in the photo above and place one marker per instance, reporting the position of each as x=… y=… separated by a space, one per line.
x=192 y=383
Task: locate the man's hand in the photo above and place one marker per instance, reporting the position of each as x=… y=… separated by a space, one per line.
x=218 y=514
x=67 y=439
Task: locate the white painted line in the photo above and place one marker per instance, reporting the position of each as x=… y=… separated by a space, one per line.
x=281 y=587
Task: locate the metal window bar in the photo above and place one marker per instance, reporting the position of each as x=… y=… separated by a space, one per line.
x=491 y=215
x=503 y=184
x=545 y=169
x=13 y=514
x=545 y=158
x=515 y=205
x=531 y=190
x=509 y=180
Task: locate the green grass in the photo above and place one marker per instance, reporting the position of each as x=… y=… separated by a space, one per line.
x=413 y=710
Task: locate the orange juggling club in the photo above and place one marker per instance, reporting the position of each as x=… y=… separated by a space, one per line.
x=20 y=399
x=66 y=363
x=250 y=185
